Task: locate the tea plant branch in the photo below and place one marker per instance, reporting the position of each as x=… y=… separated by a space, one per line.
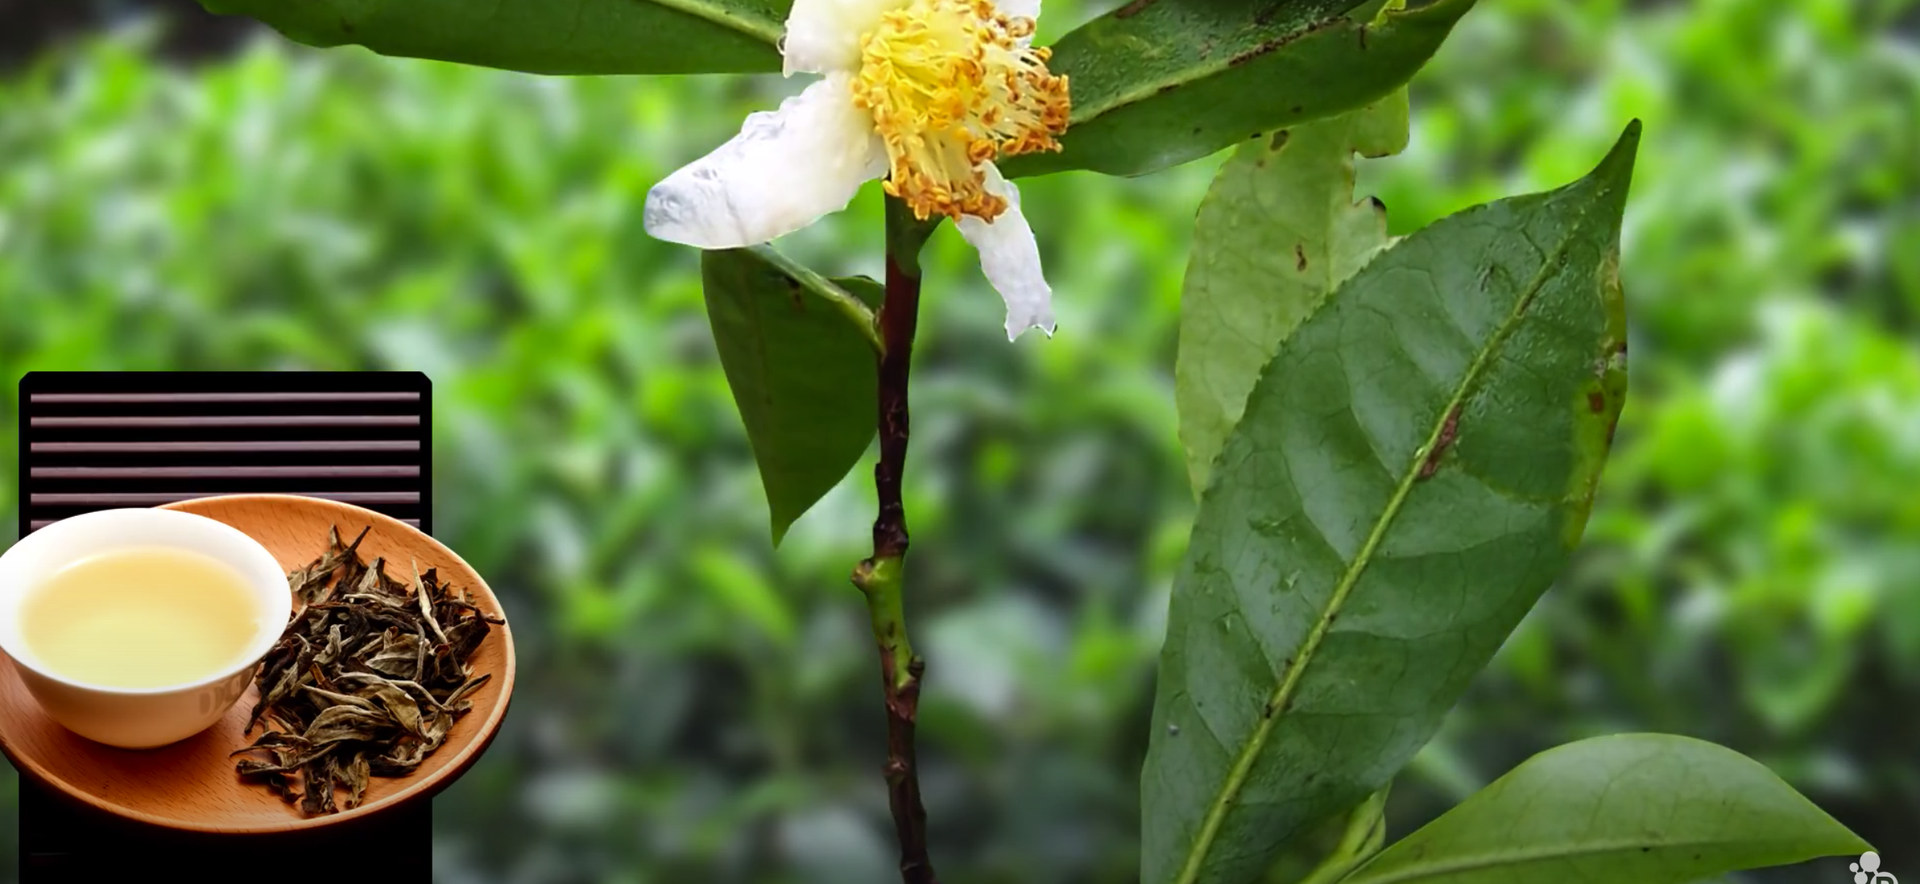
x=880 y=577
x=840 y=299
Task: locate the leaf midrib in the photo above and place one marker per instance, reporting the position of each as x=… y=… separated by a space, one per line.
x=1083 y=115
x=1521 y=857
x=763 y=29
x=1277 y=704
x=1187 y=76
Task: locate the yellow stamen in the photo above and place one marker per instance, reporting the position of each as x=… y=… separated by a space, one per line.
x=951 y=87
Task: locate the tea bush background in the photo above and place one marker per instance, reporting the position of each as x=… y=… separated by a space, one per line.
x=695 y=706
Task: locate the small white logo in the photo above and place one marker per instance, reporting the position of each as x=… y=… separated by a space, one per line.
x=1867 y=870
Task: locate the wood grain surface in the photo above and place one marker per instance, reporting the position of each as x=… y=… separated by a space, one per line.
x=191 y=785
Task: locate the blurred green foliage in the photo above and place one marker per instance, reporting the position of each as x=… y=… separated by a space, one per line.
x=694 y=706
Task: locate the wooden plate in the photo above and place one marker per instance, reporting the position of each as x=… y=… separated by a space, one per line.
x=191 y=784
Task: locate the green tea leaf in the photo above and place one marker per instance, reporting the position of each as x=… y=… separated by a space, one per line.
x=1158 y=83
x=1412 y=470
x=803 y=377
x=1631 y=808
x=1278 y=230
x=1341 y=844
x=535 y=36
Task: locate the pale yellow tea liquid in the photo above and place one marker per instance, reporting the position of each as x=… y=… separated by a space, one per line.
x=141 y=618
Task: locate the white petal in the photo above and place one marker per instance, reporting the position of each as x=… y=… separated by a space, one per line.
x=824 y=35
x=785 y=170
x=1020 y=9
x=1010 y=258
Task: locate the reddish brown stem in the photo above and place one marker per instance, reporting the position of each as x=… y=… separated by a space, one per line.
x=903 y=777
x=880 y=577
x=899 y=314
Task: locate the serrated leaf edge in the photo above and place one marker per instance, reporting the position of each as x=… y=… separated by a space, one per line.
x=1277 y=704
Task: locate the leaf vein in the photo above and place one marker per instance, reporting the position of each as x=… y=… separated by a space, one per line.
x=755 y=27
x=1522 y=857
x=1283 y=693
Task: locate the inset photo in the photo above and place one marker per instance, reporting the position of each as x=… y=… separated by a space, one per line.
x=225 y=618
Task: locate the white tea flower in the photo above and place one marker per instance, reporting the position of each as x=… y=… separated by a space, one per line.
x=925 y=92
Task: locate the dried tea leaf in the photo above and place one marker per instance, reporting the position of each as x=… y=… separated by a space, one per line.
x=420 y=695
x=425 y=599
x=336 y=699
x=336 y=645
x=367 y=680
x=319 y=789
x=422 y=650
x=356 y=776
x=283 y=671
x=315 y=581
x=388 y=767
x=400 y=708
x=275 y=740
x=465 y=638
x=254 y=766
x=400 y=657
x=337 y=723
x=454 y=700
x=277 y=782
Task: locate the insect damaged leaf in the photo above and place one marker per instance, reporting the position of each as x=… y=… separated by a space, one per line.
x=1348 y=572
x=1278 y=231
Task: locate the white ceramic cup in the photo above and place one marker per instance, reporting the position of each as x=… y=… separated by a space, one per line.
x=138 y=718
